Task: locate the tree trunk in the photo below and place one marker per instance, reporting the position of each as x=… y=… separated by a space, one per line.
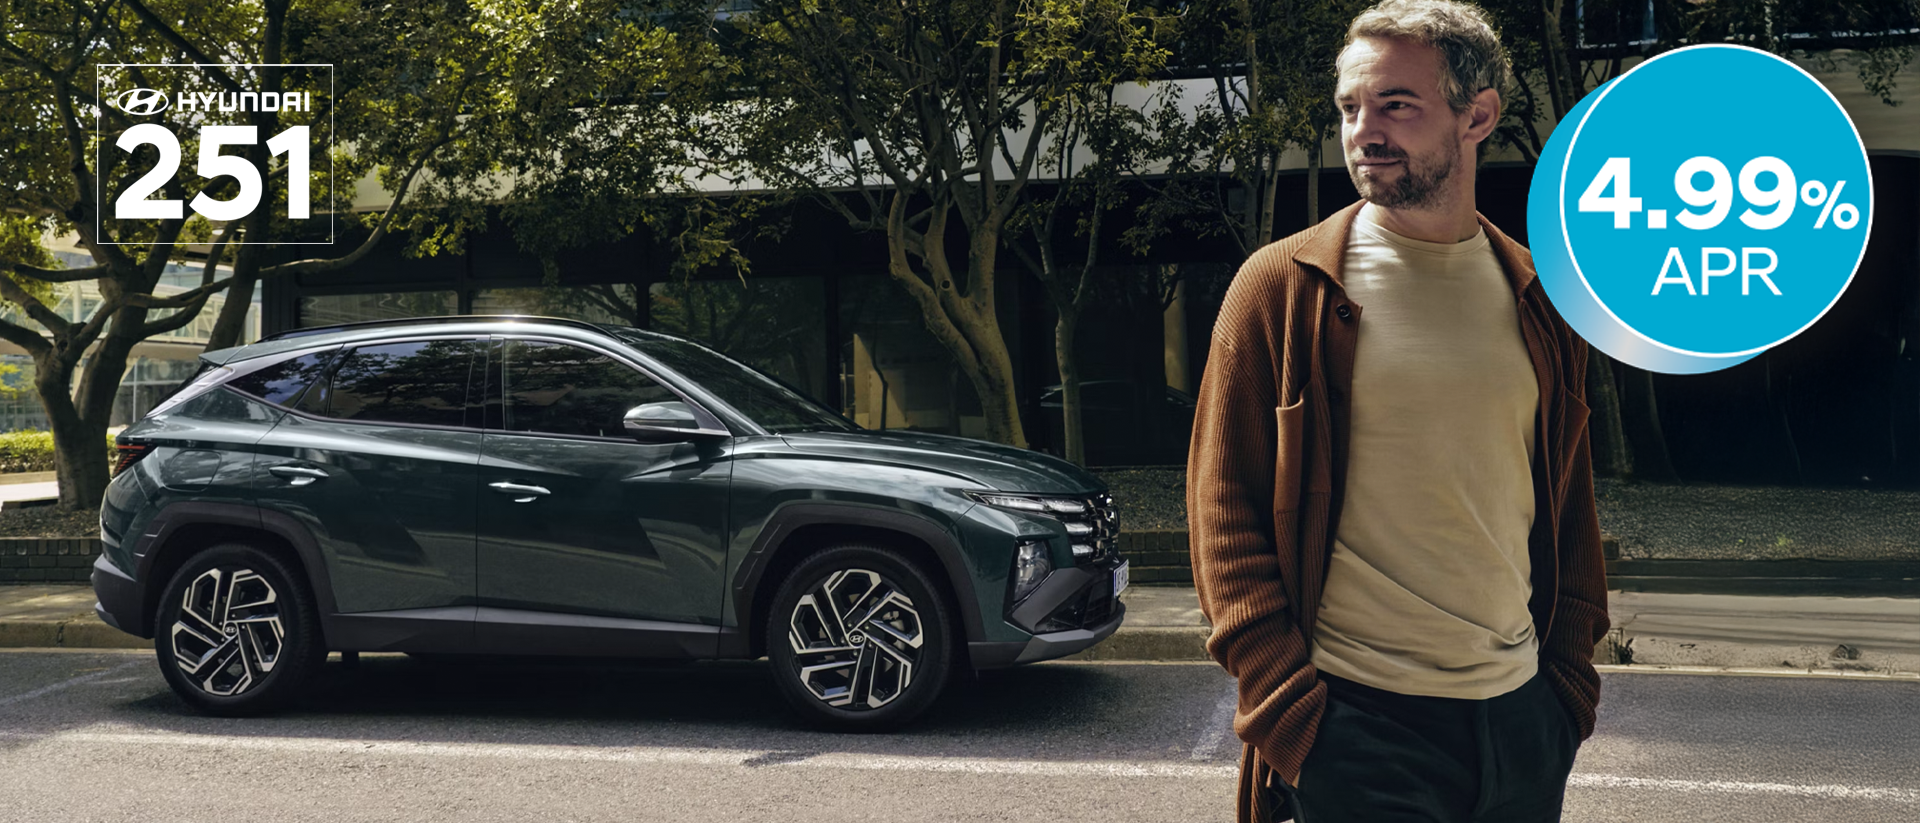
x=995 y=385
x=1611 y=457
x=230 y=326
x=79 y=434
x=1075 y=447
x=967 y=326
x=1640 y=416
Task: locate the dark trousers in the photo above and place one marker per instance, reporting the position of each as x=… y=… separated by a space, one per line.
x=1385 y=757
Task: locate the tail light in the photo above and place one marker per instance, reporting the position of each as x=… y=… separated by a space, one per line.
x=127 y=454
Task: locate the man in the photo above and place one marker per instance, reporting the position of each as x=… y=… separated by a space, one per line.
x=1393 y=526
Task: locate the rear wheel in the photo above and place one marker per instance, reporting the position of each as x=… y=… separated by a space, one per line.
x=238 y=633
x=860 y=639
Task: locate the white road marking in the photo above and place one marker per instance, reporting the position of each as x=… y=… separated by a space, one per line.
x=68 y=683
x=1830 y=792
x=1020 y=768
x=647 y=756
x=1218 y=725
x=512 y=751
x=1736 y=671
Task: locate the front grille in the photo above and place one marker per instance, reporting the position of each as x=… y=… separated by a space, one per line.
x=1094 y=530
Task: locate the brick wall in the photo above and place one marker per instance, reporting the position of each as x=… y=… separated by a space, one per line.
x=47 y=560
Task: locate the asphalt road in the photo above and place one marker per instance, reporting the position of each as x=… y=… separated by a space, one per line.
x=97 y=736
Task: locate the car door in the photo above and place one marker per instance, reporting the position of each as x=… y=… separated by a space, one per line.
x=580 y=520
x=378 y=461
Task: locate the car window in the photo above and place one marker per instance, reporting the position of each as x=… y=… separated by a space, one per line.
x=554 y=388
x=767 y=400
x=281 y=383
x=423 y=381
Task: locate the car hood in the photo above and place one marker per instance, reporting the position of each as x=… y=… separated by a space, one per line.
x=996 y=466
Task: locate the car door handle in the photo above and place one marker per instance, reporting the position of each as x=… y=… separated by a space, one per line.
x=299 y=475
x=532 y=492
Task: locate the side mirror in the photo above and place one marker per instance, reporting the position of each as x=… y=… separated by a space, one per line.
x=667 y=421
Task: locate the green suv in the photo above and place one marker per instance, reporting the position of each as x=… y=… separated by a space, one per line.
x=534 y=486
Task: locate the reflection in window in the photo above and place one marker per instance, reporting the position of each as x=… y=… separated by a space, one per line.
x=776 y=325
x=282 y=382
x=417 y=382
x=774 y=405
x=331 y=309
x=553 y=388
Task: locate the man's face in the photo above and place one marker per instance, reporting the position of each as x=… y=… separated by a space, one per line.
x=1400 y=138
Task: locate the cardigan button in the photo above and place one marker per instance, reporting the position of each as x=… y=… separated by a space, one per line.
x=1344 y=312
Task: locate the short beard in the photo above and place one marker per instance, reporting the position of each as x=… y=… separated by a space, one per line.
x=1418 y=188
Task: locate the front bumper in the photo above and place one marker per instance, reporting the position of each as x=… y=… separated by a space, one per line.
x=1074 y=608
x=121 y=599
x=999 y=655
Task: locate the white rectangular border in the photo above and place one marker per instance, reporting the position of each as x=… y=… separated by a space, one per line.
x=100 y=179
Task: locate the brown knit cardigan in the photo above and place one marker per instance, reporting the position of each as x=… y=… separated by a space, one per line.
x=1268 y=466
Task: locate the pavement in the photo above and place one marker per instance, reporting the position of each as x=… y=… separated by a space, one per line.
x=28 y=487
x=1838 y=636
x=96 y=735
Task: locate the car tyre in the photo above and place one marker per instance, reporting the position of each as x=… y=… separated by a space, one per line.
x=236 y=632
x=860 y=638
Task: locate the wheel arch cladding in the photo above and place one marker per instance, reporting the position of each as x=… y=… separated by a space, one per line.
x=182 y=541
x=805 y=540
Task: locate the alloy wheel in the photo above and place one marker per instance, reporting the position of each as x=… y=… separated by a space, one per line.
x=229 y=634
x=856 y=640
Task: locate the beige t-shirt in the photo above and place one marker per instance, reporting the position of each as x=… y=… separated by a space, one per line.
x=1428 y=585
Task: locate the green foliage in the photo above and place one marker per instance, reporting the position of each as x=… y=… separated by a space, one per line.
x=30 y=451
x=1583 y=47
x=20 y=244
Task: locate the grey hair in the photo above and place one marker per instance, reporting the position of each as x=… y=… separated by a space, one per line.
x=1469 y=47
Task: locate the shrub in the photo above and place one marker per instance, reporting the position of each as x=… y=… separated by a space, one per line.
x=31 y=451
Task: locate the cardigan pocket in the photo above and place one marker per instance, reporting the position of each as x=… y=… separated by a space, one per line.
x=1289 y=460
x=1572 y=428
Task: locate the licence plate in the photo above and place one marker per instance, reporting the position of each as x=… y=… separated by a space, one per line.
x=1120 y=578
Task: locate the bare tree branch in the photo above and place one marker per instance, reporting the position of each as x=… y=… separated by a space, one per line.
x=313 y=265
x=60 y=275
x=33 y=342
x=181 y=300
x=192 y=52
x=34 y=308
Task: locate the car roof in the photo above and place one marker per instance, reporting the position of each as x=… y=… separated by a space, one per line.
x=305 y=338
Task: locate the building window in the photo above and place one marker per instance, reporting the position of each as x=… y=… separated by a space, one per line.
x=330 y=309
x=614 y=303
x=775 y=324
x=894 y=374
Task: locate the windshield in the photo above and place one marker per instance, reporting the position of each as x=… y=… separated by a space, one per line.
x=769 y=401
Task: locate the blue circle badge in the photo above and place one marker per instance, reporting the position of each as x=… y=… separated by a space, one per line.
x=1709 y=204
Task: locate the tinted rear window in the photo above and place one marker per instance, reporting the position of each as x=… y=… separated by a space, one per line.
x=282 y=383
x=418 y=382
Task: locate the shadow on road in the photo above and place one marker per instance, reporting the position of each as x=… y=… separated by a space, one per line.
x=1106 y=710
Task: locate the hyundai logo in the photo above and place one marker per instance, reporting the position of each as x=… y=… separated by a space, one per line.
x=142 y=102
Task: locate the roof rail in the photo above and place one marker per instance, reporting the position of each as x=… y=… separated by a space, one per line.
x=424 y=321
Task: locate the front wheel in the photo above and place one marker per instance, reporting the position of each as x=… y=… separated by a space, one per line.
x=238 y=633
x=860 y=639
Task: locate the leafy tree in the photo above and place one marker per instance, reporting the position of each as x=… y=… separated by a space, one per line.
x=1096 y=157
x=1268 y=70
x=924 y=120
x=456 y=102
x=1563 y=49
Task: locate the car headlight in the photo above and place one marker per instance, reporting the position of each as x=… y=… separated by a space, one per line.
x=1034 y=505
x=1076 y=515
x=1030 y=566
